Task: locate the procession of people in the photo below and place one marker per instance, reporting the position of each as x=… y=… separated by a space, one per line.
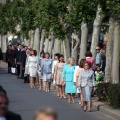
x=67 y=78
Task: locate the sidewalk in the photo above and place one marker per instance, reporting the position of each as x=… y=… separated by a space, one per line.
x=106 y=109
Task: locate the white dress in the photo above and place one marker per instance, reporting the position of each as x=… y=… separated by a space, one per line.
x=32 y=65
x=53 y=69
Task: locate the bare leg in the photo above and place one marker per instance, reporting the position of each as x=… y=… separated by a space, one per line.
x=69 y=98
x=57 y=89
x=49 y=86
x=40 y=83
x=72 y=96
x=60 y=90
x=45 y=85
x=31 y=82
x=81 y=99
x=37 y=80
x=63 y=91
x=89 y=105
x=34 y=80
x=85 y=105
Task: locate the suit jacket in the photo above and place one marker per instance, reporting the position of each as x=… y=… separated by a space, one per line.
x=12 y=116
x=17 y=55
x=23 y=59
x=86 y=77
x=8 y=55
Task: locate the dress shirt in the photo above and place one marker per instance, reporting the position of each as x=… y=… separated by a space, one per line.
x=54 y=65
x=46 y=66
x=98 y=59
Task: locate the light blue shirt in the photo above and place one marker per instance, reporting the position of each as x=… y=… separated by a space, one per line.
x=46 y=66
x=98 y=59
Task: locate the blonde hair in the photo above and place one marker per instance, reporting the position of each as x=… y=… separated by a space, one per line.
x=69 y=59
x=45 y=112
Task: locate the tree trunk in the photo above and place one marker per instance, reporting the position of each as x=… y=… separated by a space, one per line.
x=51 y=41
x=0 y=41
x=116 y=54
x=57 y=47
x=66 y=49
x=4 y=44
x=31 y=34
x=21 y=38
x=109 y=51
x=96 y=31
x=26 y=42
x=37 y=40
x=84 y=37
x=75 y=44
x=42 y=40
x=62 y=48
x=46 y=45
x=50 y=47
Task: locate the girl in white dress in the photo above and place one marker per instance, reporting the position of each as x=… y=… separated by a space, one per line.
x=32 y=65
x=56 y=57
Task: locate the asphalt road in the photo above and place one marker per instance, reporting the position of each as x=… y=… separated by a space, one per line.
x=25 y=101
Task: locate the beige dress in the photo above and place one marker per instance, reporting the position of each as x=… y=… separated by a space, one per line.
x=58 y=73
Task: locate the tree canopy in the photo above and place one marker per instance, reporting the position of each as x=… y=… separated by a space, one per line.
x=54 y=15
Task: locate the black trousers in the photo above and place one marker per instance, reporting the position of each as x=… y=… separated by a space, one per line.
x=9 y=67
x=18 y=70
x=22 y=75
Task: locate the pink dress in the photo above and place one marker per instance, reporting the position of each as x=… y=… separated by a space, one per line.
x=91 y=60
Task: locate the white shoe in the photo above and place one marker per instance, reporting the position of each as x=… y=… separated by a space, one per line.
x=48 y=90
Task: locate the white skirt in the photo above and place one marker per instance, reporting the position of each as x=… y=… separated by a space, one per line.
x=47 y=77
x=33 y=71
x=39 y=75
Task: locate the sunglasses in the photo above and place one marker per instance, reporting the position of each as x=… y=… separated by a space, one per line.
x=97 y=49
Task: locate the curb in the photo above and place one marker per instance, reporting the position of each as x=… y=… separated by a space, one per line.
x=107 y=110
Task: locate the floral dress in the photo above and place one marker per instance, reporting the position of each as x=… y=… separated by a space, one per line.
x=58 y=73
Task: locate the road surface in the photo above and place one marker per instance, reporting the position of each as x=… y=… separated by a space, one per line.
x=26 y=101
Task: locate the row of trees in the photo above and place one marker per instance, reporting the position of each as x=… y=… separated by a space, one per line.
x=64 y=26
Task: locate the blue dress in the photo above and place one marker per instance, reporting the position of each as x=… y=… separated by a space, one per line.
x=68 y=75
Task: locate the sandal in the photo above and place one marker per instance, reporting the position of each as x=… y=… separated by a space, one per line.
x=64 y=97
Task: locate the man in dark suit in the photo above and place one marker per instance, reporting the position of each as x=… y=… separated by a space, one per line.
x=5 y=114
x=8 y=58
x=26 y=74
x=17 y=56
x=22 y=61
